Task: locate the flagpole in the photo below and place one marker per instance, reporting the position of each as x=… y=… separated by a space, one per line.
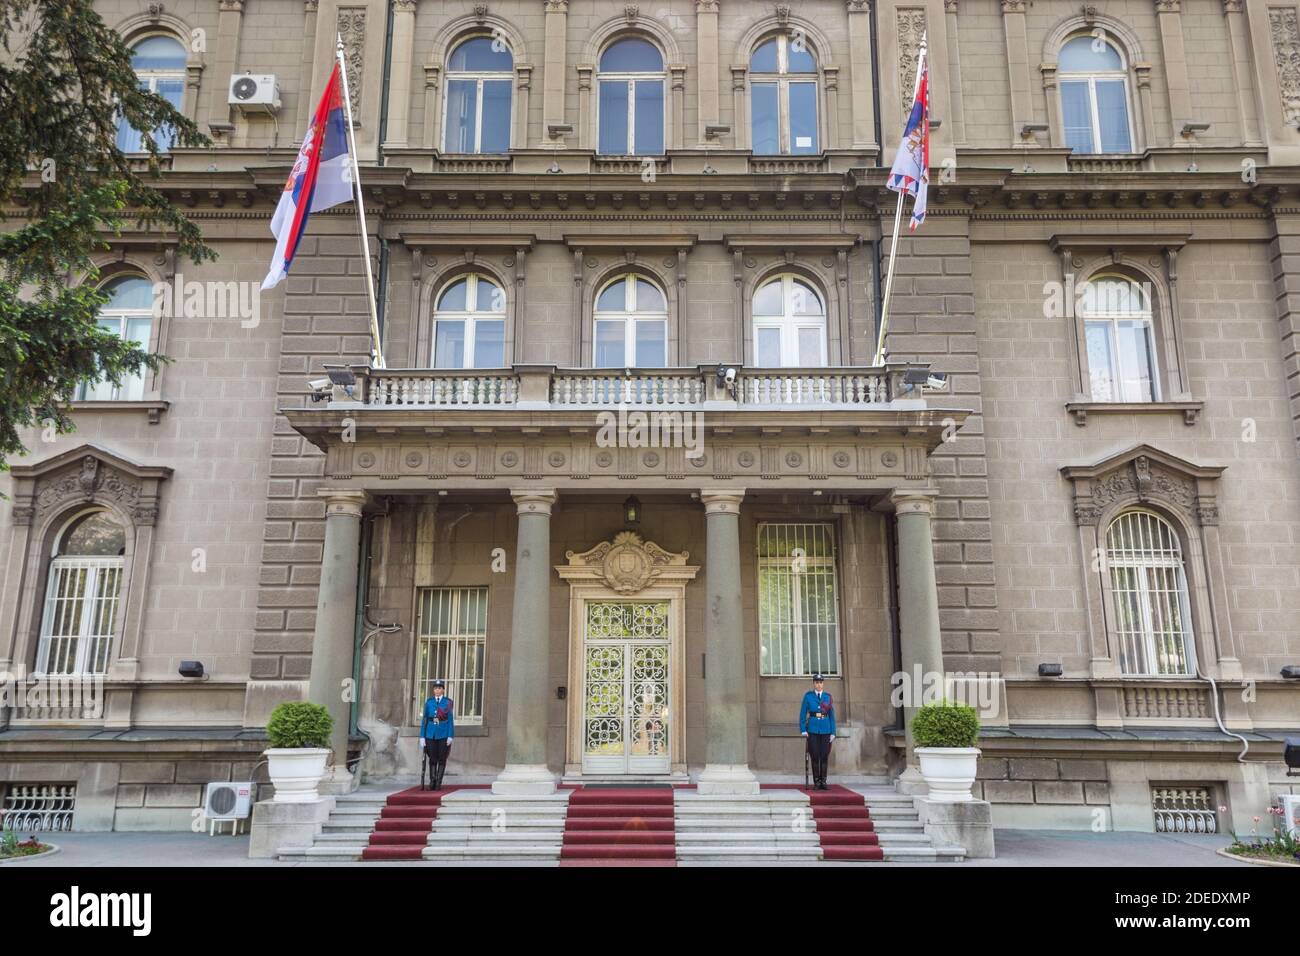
x=889 y=281
x=898 y=221
x=376 y=348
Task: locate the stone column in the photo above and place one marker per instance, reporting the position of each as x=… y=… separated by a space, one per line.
x=861 y=92
x=726 y=762
x=403 y=62
x=1170 y=20
x=526 y=770
x=1243 y=80
x=336 y=613
x=1014 y=29
x=709 y=63
x=556 y=17
x=918 y=607
x=226 y=55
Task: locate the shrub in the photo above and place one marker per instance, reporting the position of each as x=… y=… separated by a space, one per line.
x=945 y=725
x=297 y=724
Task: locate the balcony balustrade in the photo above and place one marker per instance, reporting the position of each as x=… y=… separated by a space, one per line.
x=540 y=387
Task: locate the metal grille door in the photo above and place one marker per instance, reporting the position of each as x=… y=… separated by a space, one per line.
x=625 y=693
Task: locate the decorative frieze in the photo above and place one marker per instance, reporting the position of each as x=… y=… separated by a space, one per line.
x=351 y=28
x=910 y=25
x=1284 y=30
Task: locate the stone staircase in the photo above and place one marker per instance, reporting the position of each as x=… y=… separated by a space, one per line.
x=472 y=824
x=774 y=826
x=902 y=835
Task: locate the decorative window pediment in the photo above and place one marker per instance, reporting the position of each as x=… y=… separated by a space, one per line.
x=1144 y=475
x=86 y=474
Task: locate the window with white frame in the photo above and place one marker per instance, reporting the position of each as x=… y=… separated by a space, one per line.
x=159 y=64
x=83 y=595
x=783 y=97
x=798 y=615
x=1119 y=332
x=480 y=76
x=128 y=314
x=631 y=325
x=1148 y=586
x=469 y=324
x=630 y=100
x=452 y=643
x=789 y=324
x=1093 y=80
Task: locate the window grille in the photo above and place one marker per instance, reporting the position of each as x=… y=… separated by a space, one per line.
x=33 y=807
x=81 y=607
x=1185 y=809
x=452 y=629
x=798 y=615
x=1149 y=589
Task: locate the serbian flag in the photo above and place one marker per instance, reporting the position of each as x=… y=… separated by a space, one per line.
x=911 y=171
x=321 y=178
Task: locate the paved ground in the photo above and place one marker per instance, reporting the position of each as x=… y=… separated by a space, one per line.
x=1015 y=848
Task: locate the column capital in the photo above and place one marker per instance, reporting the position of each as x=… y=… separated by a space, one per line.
x=722 y=501
x=913 y=501
x=536 y=502
x=343 y=501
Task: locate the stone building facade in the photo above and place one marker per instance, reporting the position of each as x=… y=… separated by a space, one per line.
x=647 y=196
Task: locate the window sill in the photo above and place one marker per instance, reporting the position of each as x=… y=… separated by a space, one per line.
x=1190 y=410
x=153 y=409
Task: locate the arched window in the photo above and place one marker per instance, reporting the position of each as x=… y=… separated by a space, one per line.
x=630 y=107
x=128 y=314
x=1119 y=331
x=783 y=97
x=1094 y=97
x=159 y=64
x=479 y=80
x=631 y=325
x=82 y=596
x=469 y=324
x=1148 y=586
x=789 y=324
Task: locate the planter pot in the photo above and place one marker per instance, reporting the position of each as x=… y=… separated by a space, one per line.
x=949 y=772
x=296 y=772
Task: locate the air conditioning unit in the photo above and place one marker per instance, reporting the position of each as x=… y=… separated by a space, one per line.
x=255 y=93
x=228 y=801
x=1290 y=803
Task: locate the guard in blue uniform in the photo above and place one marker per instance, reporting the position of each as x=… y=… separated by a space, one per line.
x=437 y=729
x=817 y=724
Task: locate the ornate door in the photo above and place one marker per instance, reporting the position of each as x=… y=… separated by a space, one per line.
x=626 y=664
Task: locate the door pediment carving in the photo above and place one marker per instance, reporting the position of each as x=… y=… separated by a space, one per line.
x=627 y=564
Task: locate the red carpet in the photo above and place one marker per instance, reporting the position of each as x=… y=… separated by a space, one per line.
x=629 y=825
x=402 y=830
x=844 y=825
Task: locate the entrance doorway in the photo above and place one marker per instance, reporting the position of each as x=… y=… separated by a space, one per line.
x=627 y=710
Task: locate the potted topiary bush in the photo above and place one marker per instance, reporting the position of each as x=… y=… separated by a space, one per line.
x=300 y=735
x=944 y=735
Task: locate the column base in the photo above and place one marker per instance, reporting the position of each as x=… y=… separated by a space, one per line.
x=338 y=781
x=726 y=778
x=524 y=778
x=911 y=782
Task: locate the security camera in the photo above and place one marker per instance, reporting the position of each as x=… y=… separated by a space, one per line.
x=731 y=376
x=321 y=389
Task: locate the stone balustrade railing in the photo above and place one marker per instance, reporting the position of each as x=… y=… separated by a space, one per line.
x=545 y=386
